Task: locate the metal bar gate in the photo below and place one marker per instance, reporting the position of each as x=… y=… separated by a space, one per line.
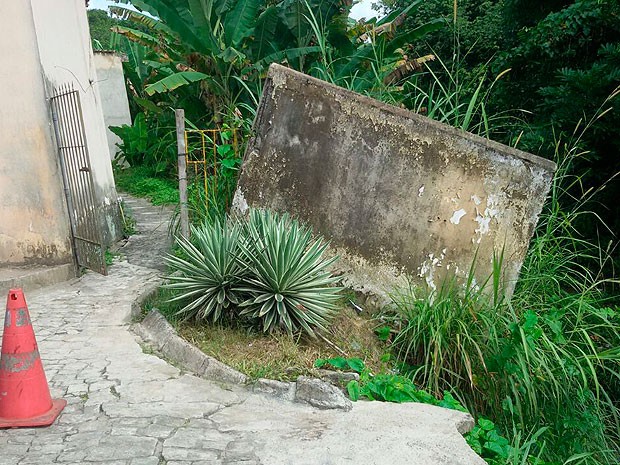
x=77 y=178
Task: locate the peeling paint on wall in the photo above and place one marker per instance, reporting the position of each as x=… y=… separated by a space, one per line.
x=457 y=215
x=393 y=188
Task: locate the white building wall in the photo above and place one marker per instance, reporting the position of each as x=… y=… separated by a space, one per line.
x=111 y=82
x=66 y=57
x=34 y=224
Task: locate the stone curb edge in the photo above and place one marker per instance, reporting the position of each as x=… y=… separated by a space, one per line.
x=156 y=330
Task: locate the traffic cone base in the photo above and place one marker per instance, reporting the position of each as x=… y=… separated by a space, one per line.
x=41 y=420
x=25 y=399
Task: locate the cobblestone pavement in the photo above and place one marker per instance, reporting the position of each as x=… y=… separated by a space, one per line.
x=127 y=406
x=152 y=241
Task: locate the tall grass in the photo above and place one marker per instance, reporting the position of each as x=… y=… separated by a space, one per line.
x=547 y=361
x=451 y=96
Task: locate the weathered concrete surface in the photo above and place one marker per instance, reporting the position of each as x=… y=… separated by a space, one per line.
x=394 y=191
x=152 y=235
x=129 y=407
x=114 y=102
x=30 y=278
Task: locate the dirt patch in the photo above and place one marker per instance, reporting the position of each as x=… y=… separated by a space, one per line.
x=277 y=356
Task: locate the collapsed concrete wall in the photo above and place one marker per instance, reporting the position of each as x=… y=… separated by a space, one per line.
x=114 y=103
x=34 y=223
x=63 y=39
x=397 y=193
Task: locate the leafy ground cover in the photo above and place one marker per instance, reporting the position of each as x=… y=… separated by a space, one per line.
x=141 y=182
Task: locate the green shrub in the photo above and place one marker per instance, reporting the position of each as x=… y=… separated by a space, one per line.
x=207 y=272
x=139 y=181
x=287 y=283
x=148 y=142
x=264 y=271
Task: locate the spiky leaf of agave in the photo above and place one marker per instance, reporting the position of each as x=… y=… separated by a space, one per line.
x=286 y=281
x=205 y=280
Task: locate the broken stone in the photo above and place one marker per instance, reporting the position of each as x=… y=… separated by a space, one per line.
x=320 y=394
x=275 y=388
x=338 y=378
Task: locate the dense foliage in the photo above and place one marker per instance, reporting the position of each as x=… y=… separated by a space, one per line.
x=558 y=60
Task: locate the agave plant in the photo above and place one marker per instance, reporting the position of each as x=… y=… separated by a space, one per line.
x=286 y=282
x=207 y=273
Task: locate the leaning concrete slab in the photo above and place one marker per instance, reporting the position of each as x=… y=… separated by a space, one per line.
x=396 y=193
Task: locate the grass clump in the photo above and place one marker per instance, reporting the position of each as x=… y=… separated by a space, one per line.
x=141 y=182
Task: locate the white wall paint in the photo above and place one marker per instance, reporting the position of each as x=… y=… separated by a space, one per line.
x=66 y=55
x=34 y=224
x=113 y=95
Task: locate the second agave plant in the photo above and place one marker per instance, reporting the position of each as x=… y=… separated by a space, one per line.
x=287 y=282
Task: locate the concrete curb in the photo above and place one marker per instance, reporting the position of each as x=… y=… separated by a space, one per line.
x=32 y=278
x=136 y=306
x=156 y=330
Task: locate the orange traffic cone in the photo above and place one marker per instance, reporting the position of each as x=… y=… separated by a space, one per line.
x=25 y=399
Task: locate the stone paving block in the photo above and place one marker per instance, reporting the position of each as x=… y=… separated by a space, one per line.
x=145 y=461
x=155 y=431
x=196 y=438
x=179 y=410
x=15 y=449
x=240 y=450
x=122 y=447
x=34 y=459
x=193 y=455
x=241 y=461
x=10 y=459
x=73 y=455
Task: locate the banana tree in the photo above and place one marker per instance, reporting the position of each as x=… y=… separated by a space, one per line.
x=373 y=57
x=213 y=43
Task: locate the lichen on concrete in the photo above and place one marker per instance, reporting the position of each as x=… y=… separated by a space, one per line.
x=392 y=188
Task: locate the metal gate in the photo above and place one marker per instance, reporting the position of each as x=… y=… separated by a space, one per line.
x=77 y=178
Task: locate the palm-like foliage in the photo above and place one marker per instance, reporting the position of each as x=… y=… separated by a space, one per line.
x=370 y=57
x=214 y=43
x=287 y=282
x=207 y=273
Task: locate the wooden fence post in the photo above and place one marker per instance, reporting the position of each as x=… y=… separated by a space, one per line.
x=182 y=150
